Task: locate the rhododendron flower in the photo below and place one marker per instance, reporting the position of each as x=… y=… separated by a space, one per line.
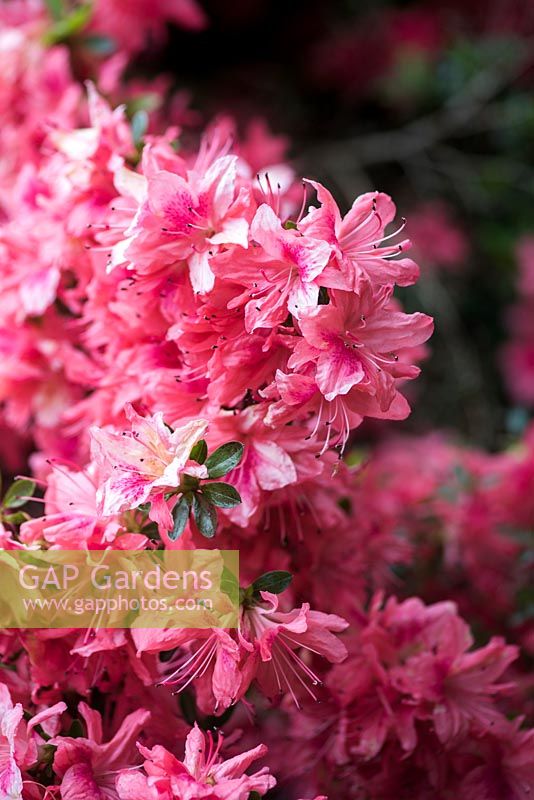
x=213 y=661
x=170 y=317
x=133 y=23
x=282 y=278
x=189 y=217
x=356 y=344
x=412 y=663
x=11 y=716
x=89 y=767
x=357 y=240
x=277 y=637
x=437 y=239
x=272 y=460
x=71 y=518
x=144 y=463
x=18 y=742
x=202 y=773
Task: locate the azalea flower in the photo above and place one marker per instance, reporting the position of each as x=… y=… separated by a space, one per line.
x=282 y=275
x=214 y=661
x=18 y=742
x=71 y=519
x=271 y=460
x=357 y=344
x=188 y=216
x=144 y=463
x=357 y=240
x=202 y=773
x=277 y=637
x=88 y=767
x=133 y=25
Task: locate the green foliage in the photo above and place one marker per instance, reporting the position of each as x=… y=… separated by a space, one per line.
x=205 y=516
x=224 y=459
x=67 y=25
x=180 y=515
x=18 y=493
x=275 y=582
x=221 y=494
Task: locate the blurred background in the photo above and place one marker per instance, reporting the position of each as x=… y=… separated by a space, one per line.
x=428 y=101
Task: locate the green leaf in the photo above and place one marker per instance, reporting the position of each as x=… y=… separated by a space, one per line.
x=205 y=516
x=46 y=751
x=224 y=459
x=180 y=515
x=221 y=494
x=199 y=453
x=275 y=582
x=139 y=125
x=230 y=584
x=56 y=8
x=18 y=493
x=70 y=25
x=17 y=518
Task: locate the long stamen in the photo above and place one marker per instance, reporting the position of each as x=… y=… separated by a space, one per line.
x=191 y=658
x=390 y=235
x=304 y=196
x=291 y=664
x=318 y=422
x=346 y=240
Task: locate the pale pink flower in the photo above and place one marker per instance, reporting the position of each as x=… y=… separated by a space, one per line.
x=144 y=463
x=11 y=718
x=18 y=742
x=71 y=520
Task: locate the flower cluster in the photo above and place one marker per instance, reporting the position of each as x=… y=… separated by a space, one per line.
x=413 y=712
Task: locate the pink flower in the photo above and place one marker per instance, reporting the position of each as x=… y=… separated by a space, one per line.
x=413 y=662
x=438 y=240
x=18 y=742
x=144 y=463
x=132 y=23
x=213 y=661
x=508 y=770
x=72 y=519
x=272 y=460
x=11 y=718
x=356 y=344
x=202 y=773
x=282 y=276
x=88 y=767
x=188 y=217
x=356 y=241
x=277 y=638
